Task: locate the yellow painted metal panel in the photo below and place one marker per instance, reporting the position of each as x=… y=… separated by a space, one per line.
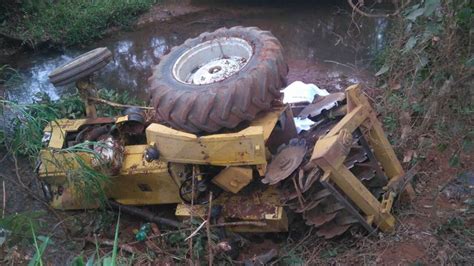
x=144 y=189
x=233 y=178
x=246 y=147
x=268 y=120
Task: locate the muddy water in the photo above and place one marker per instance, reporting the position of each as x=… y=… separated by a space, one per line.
x=323 y=45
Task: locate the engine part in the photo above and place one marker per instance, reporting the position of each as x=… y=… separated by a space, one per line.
x=218 y=79
x=196 y=189
x=151 y=154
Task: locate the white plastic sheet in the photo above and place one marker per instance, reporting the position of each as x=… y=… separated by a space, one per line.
x=303 y=124
x=298 y=92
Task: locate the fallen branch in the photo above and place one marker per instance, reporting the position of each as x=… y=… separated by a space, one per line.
x=208 y=232
x=356 y=8
x=196 y=231
x=146 y=215
x=118 y=105
x=240 y=223
x=403 y=182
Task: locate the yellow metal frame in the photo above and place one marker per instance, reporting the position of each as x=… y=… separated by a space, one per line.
x=245 y=147
x=331 y=150
x=138 y=183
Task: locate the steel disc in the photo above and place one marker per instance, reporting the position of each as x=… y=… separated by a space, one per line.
x=288 y=159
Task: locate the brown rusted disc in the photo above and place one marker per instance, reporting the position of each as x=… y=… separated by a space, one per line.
x=322 y=103
x=332 y=230
x=288 y=159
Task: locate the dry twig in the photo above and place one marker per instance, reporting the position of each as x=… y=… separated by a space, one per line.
x=118 y=105
x=110 y=243
x=208 y=231
x=356 y=8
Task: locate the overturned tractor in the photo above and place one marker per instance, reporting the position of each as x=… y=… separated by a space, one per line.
x=218 y=132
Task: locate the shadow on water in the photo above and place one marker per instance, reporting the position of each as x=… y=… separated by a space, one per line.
x=323 y=44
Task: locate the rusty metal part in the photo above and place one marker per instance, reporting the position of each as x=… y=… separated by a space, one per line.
x=324 y=207
x=317 y=218
x=322 y=103
x=283 y=132
x=329 y=231
x=356 y=155
x=364 y=173
x=256 y=208
x=348 y=206
x=373 y=161
x=288 y=159
x=306 y=181
x=262 y=259
x=133 y=121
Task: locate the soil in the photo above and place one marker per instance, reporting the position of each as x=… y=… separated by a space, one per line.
x=417 y=238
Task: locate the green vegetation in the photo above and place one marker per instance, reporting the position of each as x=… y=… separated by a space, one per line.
x=66 y=22
x=427 y=72
x=26 y=121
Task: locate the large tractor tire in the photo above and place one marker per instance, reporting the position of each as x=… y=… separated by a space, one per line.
x=218 y=79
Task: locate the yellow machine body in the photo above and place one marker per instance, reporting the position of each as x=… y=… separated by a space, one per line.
x=139 y=182
x=152 y=183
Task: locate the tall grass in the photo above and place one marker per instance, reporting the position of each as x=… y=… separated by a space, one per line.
x=70 y=22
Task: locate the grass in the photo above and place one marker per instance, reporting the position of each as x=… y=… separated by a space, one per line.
x=89 y=181
x=459 y=235
x=38 y=257
x=22 y=122
x=68 y=22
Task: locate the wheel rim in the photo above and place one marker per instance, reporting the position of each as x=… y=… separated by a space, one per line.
x=212 y=61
